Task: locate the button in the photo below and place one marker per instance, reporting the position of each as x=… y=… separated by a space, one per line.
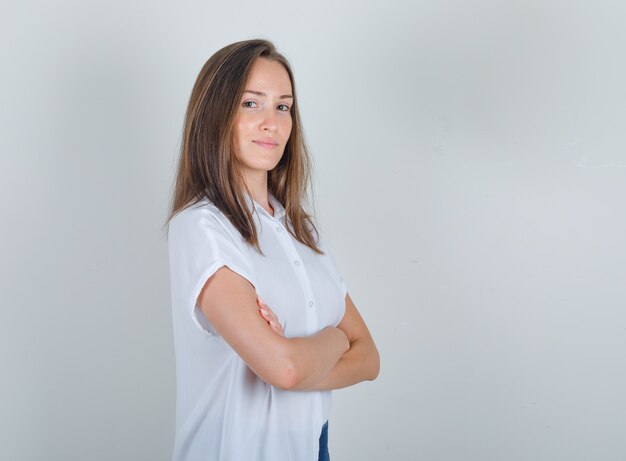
x=278 y=228
x=311 y=303
x=297 y=262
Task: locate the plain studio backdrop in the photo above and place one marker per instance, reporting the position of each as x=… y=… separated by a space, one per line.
x=470 y=178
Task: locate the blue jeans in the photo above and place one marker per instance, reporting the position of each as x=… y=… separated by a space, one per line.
x=323 y=454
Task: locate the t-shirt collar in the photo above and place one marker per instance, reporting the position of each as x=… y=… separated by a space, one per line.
x=279 y=209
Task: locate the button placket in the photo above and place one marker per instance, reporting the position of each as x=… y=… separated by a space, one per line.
x=289 y=247
x=311 y=314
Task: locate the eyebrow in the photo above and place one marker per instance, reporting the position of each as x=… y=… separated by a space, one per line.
x=260 y=93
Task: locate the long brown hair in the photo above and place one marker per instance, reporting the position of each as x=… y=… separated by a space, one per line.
x=208 y=167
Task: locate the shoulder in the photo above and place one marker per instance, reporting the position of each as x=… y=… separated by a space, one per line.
x=201 y=217
x=202 y=211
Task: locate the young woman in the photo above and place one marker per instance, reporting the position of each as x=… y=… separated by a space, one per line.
x=263 y=326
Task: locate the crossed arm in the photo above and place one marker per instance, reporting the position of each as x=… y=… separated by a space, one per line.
x=331 y=359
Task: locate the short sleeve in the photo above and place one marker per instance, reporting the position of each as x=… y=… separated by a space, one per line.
x=344 y=288
x=332 y=267
x=199 y=245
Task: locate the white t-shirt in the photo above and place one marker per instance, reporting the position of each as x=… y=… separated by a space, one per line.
x=224 y=412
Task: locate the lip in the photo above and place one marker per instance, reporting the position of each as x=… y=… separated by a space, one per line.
x=266 y=142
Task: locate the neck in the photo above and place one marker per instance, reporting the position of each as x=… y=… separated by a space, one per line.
x=256 y=182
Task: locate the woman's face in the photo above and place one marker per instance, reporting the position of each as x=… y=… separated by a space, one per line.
x=262 y=124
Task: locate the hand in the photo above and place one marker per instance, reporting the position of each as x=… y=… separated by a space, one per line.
x=270 y=317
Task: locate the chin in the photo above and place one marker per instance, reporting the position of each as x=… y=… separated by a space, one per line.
x=267 y=166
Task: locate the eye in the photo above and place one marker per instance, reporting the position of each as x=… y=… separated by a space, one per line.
x=248 y=104
x=284 y=107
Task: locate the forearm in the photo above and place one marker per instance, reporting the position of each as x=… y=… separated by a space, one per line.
x=315 y=356
x=332 y=359
x=360 y=363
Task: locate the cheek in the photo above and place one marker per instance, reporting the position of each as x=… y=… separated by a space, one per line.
x=287 y=125
x=239 y=134
x=235 y=140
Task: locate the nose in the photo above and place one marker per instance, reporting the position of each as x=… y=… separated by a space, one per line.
x=268 y=121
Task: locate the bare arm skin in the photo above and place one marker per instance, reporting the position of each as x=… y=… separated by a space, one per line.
x=361 y=362
x=229 y=302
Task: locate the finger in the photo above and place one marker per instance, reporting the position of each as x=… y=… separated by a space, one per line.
x=269 y=316
x=262 y=307
x=266 y=311
x=277 y=327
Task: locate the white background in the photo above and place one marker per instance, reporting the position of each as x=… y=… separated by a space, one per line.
x=470 y=165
